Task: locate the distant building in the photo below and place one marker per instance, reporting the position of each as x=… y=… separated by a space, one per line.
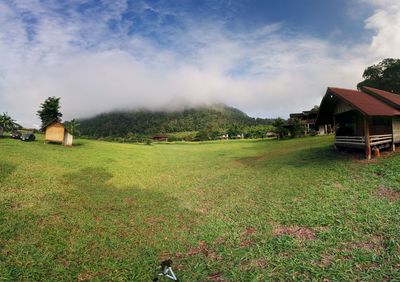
x=56 y=132
x=367 y=119
x=160 y=138
x=307 y=119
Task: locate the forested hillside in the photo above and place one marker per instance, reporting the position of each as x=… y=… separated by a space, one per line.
x=145 y=122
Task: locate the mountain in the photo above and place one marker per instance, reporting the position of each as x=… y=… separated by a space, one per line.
x=146 y=122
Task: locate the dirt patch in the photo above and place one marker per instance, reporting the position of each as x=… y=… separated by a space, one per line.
x=216 y=277
x=373 y=245
x=249 y=230
x=302 y=233
x=129 y=201
x=389 y=194
x=259 y=263
x=248 y=264
x=338 y=185
x=245 y=243
x=201 y=249
x=245 y=237
x=91 y=275
x=325 y=260
x=219 y=240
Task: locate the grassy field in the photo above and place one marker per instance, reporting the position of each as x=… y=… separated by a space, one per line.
x=222 y=211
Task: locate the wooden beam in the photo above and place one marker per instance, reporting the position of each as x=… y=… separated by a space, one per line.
x=393 y=145
x=334 y=125
x=367 y=139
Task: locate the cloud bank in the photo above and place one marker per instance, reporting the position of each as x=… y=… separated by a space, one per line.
x=96 y=60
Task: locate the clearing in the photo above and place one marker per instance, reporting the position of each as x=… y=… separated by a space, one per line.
x=222 y=211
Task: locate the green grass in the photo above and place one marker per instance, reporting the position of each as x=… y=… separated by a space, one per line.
x=222 y=211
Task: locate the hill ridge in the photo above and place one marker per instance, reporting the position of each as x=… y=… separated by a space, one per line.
x=119 y=123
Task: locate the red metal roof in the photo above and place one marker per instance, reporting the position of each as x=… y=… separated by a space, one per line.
x=365 y=103
x=390 y=97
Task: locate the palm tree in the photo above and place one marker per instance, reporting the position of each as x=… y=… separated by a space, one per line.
x=73 y=127
x=8 y=123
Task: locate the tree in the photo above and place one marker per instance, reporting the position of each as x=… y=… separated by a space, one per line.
x=296 y=127
x=50 y=111
x=384 y=75
x=8 y=123
x=233 y=131
x=279 y=127
x=73 y=126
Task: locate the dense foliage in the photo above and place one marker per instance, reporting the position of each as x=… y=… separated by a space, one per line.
x=7 y=123
x=384 y=76
x=209 y=122
x=50 y=111
x=72 y=126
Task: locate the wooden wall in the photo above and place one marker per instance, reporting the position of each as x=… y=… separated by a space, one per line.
x=68 y=139
x=396 y=129
x=380 y=125
x=55 y=132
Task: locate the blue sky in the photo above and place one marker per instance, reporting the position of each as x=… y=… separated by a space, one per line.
x=268 y=58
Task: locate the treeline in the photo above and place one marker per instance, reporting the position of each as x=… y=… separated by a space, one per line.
x=207 y=123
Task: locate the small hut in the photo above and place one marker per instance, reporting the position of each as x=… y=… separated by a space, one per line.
x=56 y=132
x=160 y=137
x=364 y=119
x=1 y=131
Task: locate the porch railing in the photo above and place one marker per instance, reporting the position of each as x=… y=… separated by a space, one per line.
x=359 y=141
x=381 y=139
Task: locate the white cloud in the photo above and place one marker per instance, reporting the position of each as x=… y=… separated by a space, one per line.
x=266 y=72
x=386 y=23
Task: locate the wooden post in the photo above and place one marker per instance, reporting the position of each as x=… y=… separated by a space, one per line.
x=334 y=129
x=393 y=145
x=367 y=139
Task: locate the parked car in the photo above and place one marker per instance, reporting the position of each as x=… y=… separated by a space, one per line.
x=28 y=137
x=15 y=134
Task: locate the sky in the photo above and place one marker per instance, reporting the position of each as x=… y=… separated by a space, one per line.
x=266 y=57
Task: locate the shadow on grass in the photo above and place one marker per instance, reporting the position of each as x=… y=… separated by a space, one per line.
x=6 y=169
x=93 y=190
x=304 y=156
x=155 y=213
x=98 y=229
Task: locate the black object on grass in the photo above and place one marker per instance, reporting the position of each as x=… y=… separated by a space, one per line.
x=28 y=137
x=165 y=269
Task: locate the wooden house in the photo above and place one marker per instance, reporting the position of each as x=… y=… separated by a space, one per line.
x=56 y=132
x=161 y=138
x=366 y=119
x=307 y=119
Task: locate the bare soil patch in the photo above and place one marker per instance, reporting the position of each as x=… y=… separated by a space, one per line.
x=216 y=277
x=389 y=194
x=373 y=245
x=325 y=260
x=302 y=233
x=201 y=249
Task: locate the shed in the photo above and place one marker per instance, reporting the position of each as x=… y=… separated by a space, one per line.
x=1 y=131
x=56 y=132
x=362 y=119
x=160 y=138
x=308 y=121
